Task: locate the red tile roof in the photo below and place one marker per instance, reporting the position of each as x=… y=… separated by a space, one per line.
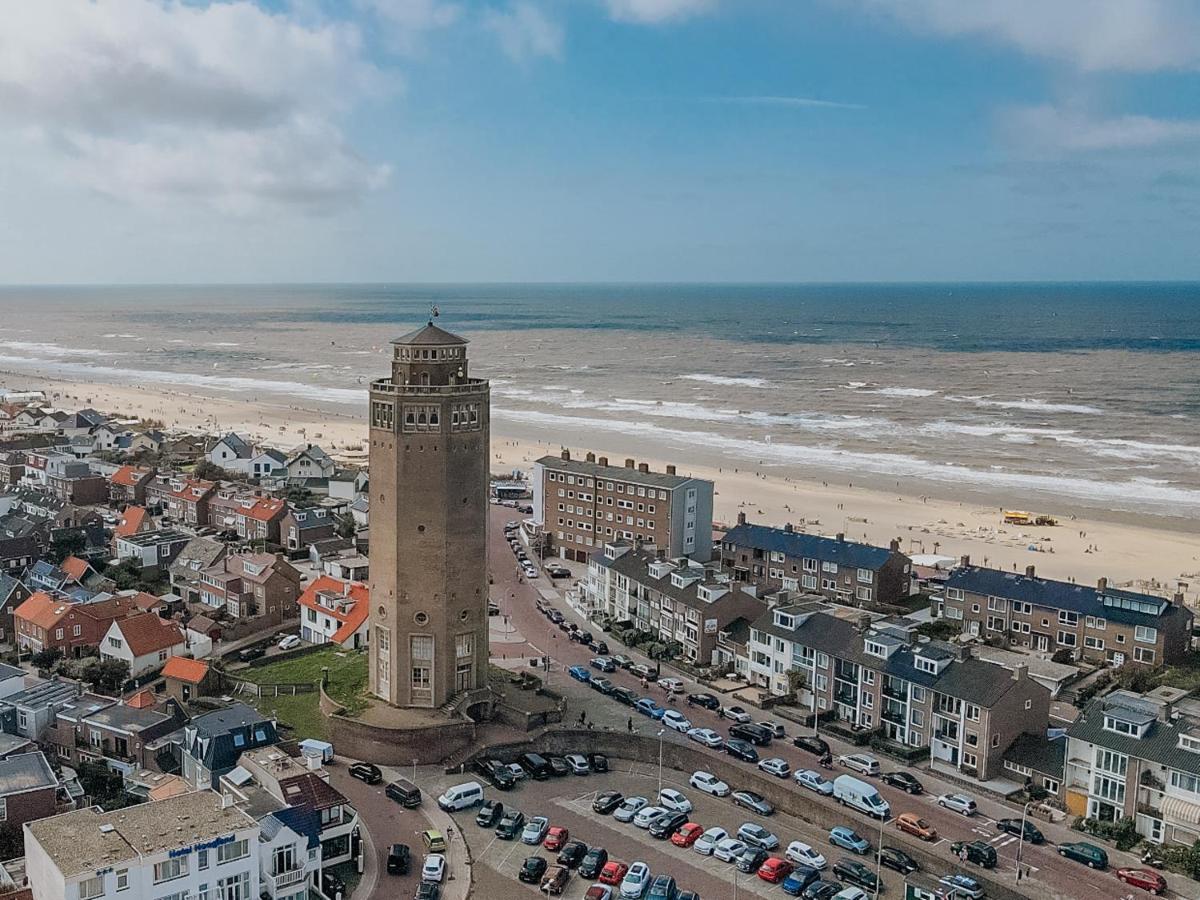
x=142 y=700
x=193 y=489
x=42 y=610
x=131 y=522
x=147 y=633
x=265 y=509
x=75 y=568
x=146 y=602
x=352 y=618
x=181 y=668
x=129 y=476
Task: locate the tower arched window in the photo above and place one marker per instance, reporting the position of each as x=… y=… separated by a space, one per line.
x=425 y=378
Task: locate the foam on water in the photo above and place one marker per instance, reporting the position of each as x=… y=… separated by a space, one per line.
x=728 y=380
x=1030 y=405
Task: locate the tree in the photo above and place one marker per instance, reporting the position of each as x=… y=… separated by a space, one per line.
x=209 y=471
x=109 y=674
x=45 y=659
x=299 y=496
x=127 y=573
x=346 y=526
x=64 y=544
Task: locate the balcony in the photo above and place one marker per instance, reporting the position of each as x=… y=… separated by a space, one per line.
x=893 y=715
x=281 y=881
x=850 y=698
x=896 y=692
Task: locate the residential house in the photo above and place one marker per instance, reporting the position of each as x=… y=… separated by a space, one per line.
x=840 y=570
x=253 y=516
x=1138 y=756
x=197 y=555
x=1038 y=761
x=43 y=622
x=127 y=486
x=320 y=552
x=913 y=693
x=73 y=481
x=133 y=520
x=187 y=501
x=349 y=484
x=308 y=463
x=192 y=845
x=12 y=594
x=17 y=554
x=153 y=549
x=144 y=641
x=187 y=678
x=678 y=600
x=264 y=462
x=43 y=575
x=360 y=509
x=252 y=584
x=348 y=567
x=584 y=504
x=109 y=437
x=93 y=728
x=231 y=452
x=1099 y=624
x=85 y=421
x=335 y=612
x=12 y=468
x=211 y=744
x=150 y=441
x=29 y=790
x=289 y=852
x=301 y=526
x=184 y=447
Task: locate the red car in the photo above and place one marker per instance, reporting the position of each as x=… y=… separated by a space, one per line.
x=1146 y=879
x=774 y=870
x=687 y=834
x=613 y=872
x=556 y=837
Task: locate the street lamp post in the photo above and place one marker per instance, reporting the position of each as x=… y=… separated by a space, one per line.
x=661 y=732
x=1021 y=836
x=879 y=858
x=414 y=778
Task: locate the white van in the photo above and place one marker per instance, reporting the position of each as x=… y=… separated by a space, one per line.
x=461 y=796
x=864 y=797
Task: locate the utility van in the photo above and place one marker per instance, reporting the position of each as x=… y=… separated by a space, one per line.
x=850 y=791
x=461 y=796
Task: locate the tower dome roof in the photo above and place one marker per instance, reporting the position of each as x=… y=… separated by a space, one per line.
x=430 y=335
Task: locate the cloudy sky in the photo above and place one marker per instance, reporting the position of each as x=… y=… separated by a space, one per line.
x=616 y=140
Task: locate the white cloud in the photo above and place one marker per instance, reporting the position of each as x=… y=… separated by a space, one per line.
x=794 y=102
x=405 y=20
x=654 y=12
x=1055 y=129
x=226 y=104
x=1091 y=35
x=524 y=31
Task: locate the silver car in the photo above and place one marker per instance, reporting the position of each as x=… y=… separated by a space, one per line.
x=629 y=808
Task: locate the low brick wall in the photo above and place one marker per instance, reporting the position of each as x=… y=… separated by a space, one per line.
x=394 y=746
x=784 y=795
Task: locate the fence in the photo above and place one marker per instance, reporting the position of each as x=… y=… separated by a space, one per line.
x=281 y=689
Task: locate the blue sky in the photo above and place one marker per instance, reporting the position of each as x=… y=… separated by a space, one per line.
x=621 y=140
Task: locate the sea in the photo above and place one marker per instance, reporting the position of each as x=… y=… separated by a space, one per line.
x=1050 y=396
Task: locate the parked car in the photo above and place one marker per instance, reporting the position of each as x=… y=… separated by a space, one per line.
x=494 y=771
x=729 y=849
x=366 y=772
x=755 y=734
x=579 y=673
x=622 y=660
x=556 y=838
x=665 y=826
x=822 y=890
x=754 y=835
x=775 y=870
x=434 y=868
x=606 y=802
x=598 y=762
x=904 y=781
x=671 y=685
x=535 y=830
x=571 y=854
x=959 y=803
x=636 y=881
x=292 y=640
x=752 y=801
x=624 y=696
x=775 y=766
x=599 y=892
x=709 y=784
x=801 y=878
x=533 y=869
x=1026 y=830
x=687 y=834
x=708 y=841
x=249 y=654
x=736 y=714
x=425 y=891
x=977 y=852
x=646 y=816
x=810 y=743
x=963 y=885
x=559 y=766
x=676 y=721
x=557 y=571
x=739 y=749
x=510 y=825
x=578 y=763
x=602 y=685
x=856 y=873
x=613 y=872
x=399 y=859
x=1088 y=854
x=863 y=763
x=593 y=862
x=630 y=807
x=704 y=701
x=555 y=880
x=490 y=814
x=911 y=823
x=671 y=799
x=814 y=781
x=663 y=887
x=848 y=839
x=1146 y=879
x=751 y=859
x=895 y=858
x=803 y=855
x=706 y=736
x=647 y=707
x=776 y=729
x=603 y=663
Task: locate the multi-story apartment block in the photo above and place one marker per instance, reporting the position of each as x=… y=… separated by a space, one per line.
x=677 y=599
x=1138 y=756
x=189 y=846
x=253 y=516
x=1099 y=624
x=252 y=584
x=91 y=728
x=914 y=693
x=182 y=499
x=582 y=505
x=840 y=570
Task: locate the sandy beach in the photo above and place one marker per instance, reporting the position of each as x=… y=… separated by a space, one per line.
x=1137 y=552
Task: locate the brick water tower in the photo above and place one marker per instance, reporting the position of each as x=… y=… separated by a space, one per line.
x=429 y=507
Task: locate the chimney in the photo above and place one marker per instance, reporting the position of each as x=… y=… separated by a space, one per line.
x=637 y=543
x=644 y=468
x=1177 y=598
x=964 y=651
x=591 y=457
x=670 y=470
x=841 y=535
x=787 y=528
x=1029 y=570
x=1102 y=584
x=629 y=463
x=964 y=560
x=741 y=518
x=1019 y=672
x=603 y=460
x=566 y=454
x=895 y=545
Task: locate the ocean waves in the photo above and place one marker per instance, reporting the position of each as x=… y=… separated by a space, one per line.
x=728 y=380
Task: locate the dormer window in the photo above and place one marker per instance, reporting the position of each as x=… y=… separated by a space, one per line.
x=873 y=648
x=1189 y=743
x=785 y=620
x=1120 y=726
x=926 y=665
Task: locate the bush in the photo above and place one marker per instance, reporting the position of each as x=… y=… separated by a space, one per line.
x=45 y=659
x=1122 y=833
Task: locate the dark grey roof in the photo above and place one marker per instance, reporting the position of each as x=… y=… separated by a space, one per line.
x=1161 y=743
x=42 y=694
x=303 y=820
x=25 y=772
x=8 y=584
x=218 y=738
x=635 y=565
x=616 y=473
x=430 y=335
x=127 y=718
x=7 y=672
x=975 y=681
x=808 y=546
x=1038 y=752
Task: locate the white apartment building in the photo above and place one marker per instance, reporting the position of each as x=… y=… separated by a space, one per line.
x=195 y=846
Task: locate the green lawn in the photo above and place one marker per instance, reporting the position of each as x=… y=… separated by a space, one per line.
x=347 y=685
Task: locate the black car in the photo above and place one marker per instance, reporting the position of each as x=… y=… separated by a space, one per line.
x=976 y=852
x=510 y=826
x=904 y=781
x=662 y=888
x=704 y=701
x=856 y=873
x=822 y=890
x=583 y=637
x=399 y=859
x=247 y=654
x=403 y=792
x=559 y=766
x=741 y=750
x=755 y=734
x=593 y=861
x=496 y=772
x=428 y=890
x=1013 y=826
x=624 y=696
x=895 y=858
x=601 y=685
x=598 y=762
x=533 y=869
x=812 y=744
x=598 y=646
x=756 y=803
x=366 y=772
x=490 y=814
x=572 y=854
x=606 y=802
x=751 y=860
x=554 y=616
x=665 y=826
x=331 y=885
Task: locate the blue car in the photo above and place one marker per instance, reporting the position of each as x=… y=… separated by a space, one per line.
x=801 y=877
x=648 y=707
x=579 y=673
x=848 y=839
